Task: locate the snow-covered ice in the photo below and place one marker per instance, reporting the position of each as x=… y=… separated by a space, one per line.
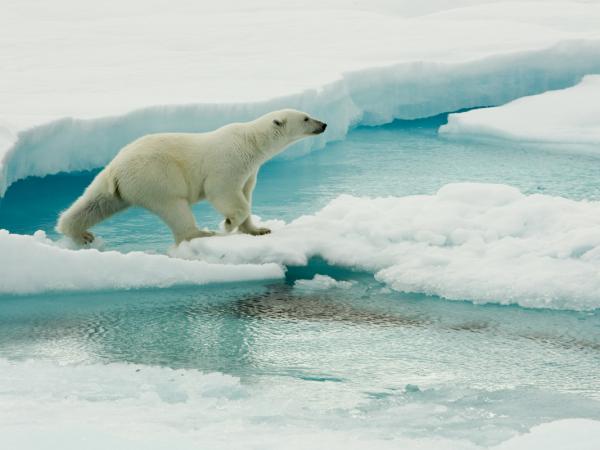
x=32 y=264
x=470 y=241
x=567 y=118
x=80 y=83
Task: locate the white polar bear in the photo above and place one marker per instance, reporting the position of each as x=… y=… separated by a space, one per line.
x=168 y=172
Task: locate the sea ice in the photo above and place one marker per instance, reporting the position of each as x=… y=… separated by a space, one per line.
x=113 y=79
x=567 y=118
x=470 y=241
x=130 y=406
x=33 y=264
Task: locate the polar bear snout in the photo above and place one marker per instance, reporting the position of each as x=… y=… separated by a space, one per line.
x=320 y=127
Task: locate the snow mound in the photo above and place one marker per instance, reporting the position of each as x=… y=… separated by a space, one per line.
x=478 y=242
x=568 y=117
x=32 y=264
x=322 y=282
x=114 y=80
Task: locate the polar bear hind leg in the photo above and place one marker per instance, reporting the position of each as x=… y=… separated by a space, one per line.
x=87 y=211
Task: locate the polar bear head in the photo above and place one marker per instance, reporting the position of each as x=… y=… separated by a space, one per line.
x=294 y=125
x=287 y=126
x=274 y=131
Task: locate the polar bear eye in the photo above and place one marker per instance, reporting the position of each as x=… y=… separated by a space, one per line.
x=306 y=119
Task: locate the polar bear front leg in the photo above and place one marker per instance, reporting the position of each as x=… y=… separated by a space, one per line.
x=234 y=206
x=247 y=226
x=177 y=214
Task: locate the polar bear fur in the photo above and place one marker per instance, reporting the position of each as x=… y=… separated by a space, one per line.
x=166 y=173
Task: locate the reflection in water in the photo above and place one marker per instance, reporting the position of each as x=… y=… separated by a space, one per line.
x=281 y=302
x=358 y=336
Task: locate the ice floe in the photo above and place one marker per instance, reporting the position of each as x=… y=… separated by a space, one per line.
x=31 y=264
x=469 y=241
x=113 y=79
x=567 y=118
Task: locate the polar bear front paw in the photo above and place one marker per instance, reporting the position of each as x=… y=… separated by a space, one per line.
x=257 y=231
x=260 y=231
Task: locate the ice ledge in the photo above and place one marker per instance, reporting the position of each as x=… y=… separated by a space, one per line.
x=567 y=119
x=34 y=264
x=373 y=96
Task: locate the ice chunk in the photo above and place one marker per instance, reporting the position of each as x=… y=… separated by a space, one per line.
x=567 y=118
x=470 y=241
x=322 y=282
x=31 y=264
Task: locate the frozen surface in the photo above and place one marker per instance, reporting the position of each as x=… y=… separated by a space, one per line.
x=36 y=264
x=141 y=407
x=479 y=242
x=568 y=118
x=73 y=109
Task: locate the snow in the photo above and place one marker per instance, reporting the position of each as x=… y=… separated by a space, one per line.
x=569 y=118
x=80 y=82
x=486 y=243
x=127 y=406
x=322 y=282
x=32 y=264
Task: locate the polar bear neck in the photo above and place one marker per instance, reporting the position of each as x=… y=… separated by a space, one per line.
x=264 y=145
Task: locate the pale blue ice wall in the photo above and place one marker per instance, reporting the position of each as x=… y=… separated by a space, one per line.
x=368 y=97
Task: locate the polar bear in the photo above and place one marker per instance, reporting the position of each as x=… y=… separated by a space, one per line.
x=166 y=173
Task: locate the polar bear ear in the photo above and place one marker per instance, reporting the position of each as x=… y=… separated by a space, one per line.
x=279 y=123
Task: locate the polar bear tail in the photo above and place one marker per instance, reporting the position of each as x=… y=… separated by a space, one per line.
x=100 y=200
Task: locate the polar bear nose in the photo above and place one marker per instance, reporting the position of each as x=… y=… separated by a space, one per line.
x=321 y=128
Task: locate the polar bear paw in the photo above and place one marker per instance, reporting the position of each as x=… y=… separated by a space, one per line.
x=260 y=231
x=87 y=237
x=255 y=231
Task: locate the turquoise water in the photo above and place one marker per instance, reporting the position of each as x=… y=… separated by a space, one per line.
x=500 y=369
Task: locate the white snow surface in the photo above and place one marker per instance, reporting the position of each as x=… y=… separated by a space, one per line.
x=80 y=81
x=567 y=118
x=469 y=241
x=127 y=406
x=32 y=264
